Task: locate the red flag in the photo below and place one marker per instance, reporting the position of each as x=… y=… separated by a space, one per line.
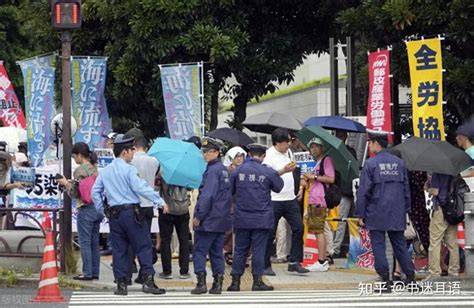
x=379 y=114
x=10 y=109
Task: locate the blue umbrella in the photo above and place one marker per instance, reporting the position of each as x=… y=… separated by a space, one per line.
x=336 y=122
x=181 y=162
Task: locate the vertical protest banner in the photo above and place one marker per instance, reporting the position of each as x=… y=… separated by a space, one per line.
x=424 y=59
x=379 y=114
x=88 y=101
x=182 y=94
x=38 y=76
x=10 y=109
x=360 y=248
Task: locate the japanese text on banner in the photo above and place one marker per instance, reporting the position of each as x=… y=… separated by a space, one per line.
x=424 y=58
x=181 y=92
x=38 y=75
x=379 y=115
x=88 y=100
x=10 y=109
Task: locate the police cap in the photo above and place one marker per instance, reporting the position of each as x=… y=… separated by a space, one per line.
x=377 y=135
x=134 y=133
x=209 y=143
x=256 y=148
x=121 y=140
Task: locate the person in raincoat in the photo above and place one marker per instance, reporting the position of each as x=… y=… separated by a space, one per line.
x=383 y=199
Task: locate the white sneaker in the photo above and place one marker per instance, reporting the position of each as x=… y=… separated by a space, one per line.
x=318 y=267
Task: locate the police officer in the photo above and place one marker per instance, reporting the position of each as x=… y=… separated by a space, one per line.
x=120 y=184
x=383 y=199
x=211 y=219
x=251 y=184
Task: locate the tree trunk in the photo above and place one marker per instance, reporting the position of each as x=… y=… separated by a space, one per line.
x=214 y=105
x=240 y=110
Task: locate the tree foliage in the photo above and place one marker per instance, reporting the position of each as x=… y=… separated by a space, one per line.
x=376 y=24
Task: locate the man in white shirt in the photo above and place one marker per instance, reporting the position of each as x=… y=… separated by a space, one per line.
x=280 y=158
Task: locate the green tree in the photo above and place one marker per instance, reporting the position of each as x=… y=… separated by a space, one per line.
x=376 y=24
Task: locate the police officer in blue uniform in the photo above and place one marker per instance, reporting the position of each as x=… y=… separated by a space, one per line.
x=383 y=199
x=121 y=188
x=211 y=219
x=253 y=219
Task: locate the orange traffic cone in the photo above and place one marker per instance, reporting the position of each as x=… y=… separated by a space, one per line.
x=461 y=235
x=310 y=252
x=46 y=224
x=48 y=289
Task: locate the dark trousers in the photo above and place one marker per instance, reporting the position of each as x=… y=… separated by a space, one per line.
x=211 y=243
x=167 y=223
x=148 y=214
x=377 y=238
x=291 y=211
x=244 y=239
x=125 y=231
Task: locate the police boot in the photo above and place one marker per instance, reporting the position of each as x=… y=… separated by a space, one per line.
x=259 y=285
x=386 y=283
x=149 y=285
x=217 y=284
x=121 y=287
x=235 y=285
x=201 y=284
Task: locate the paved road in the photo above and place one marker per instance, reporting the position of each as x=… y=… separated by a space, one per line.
x=21 y=297
x=297 y=298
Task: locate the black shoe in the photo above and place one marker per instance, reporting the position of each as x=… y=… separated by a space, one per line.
x=386 y=284
x=269 y=272
x=217 y=284
x=149 y=286
x=128 y=281
x=330 y=260
x=259 y=285
x=201 y=287
x=121 y=287
x=95 y=277
x=296 y=267
x=235 y=285
x=83 y=278
x=140 y=279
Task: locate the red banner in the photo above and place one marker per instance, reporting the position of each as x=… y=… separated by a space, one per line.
x=379 y=114
x=10 y=109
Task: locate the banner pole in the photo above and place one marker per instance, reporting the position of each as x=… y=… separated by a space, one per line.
x=203 y=125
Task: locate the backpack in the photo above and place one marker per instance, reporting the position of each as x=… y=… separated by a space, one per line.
x=85 y=187
x=177 y=198
x=453 y=209
x=332 y=192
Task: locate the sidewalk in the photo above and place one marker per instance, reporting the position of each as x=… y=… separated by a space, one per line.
x=336 y=278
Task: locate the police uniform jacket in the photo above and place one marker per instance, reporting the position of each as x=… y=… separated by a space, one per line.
x=214 y=200
x=383 y=197
x=251 y=184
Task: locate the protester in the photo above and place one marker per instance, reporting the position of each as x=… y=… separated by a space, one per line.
x=211 y=219
x=441 y=230
x=285 y=202
x=88 y=219
x=465 y=139
x=178 y=201
x=251 y=184
x=232 y=159
x=317 y=208
x=383 y=199
x=147 y=167
x=122 y=188
x=346 y=204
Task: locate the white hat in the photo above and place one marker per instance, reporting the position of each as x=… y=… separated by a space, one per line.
x=315 y=140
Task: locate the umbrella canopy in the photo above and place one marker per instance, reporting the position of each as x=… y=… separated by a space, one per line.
x=266 y=122
x=432 y=156
x=345 y=163
x=181 y=162
x=234 y=136
x=336 y=122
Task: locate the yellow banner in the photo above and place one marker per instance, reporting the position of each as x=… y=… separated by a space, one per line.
x=424 y=58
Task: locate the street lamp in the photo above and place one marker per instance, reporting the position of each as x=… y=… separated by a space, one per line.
x=66 y=15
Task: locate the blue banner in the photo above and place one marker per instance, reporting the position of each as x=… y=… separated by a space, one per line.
x=88 y=101
x=38 y=76
x=181 y=93
x=24 y=175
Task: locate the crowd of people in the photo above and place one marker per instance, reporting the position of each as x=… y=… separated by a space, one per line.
x=249 y=207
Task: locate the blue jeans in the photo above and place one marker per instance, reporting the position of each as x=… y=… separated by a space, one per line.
x=88 y=224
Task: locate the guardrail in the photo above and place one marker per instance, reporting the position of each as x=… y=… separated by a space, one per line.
x=57 y=218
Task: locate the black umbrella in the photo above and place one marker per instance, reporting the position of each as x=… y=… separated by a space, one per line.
x=266 y=122
x=234 y=136
x=432 y=156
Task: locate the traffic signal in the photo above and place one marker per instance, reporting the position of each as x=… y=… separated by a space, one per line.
x=66 y=14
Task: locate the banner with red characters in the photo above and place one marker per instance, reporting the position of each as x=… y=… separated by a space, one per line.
x=10 y=109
